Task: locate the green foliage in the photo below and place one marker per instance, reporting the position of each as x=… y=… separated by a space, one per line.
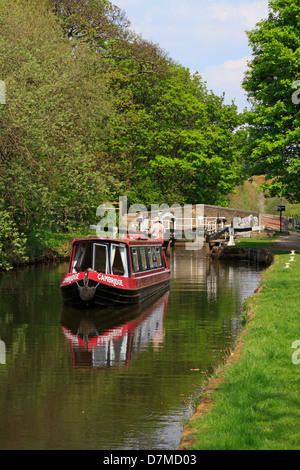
x=247 y=197
x=12 y=242
x=52 y=130
x=93 y=112
x=54 y=244
x=274 y=121
x=182 y=148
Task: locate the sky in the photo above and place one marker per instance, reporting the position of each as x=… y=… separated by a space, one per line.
x=204 y=36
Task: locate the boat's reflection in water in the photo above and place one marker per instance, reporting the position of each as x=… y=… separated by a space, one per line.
x=113 y=336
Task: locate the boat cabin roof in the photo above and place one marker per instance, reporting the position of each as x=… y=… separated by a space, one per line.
x=127 y=241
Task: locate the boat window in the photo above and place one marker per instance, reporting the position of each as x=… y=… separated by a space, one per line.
x=149 y=255
x=143 y=259
x=100 y=259
x=135 y=260
x=154 y=257
x=118 y=260
x=82 y=257
x=77 y=255
x=158 y=255
x=146 y=258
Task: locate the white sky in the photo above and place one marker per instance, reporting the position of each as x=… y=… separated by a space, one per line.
x=204 y=36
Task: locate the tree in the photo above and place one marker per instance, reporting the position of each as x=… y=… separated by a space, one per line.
x=181 y=148
x=54 y=127
x=174 y=140
x=106 y=29
x=94 y=111
x=272 y=148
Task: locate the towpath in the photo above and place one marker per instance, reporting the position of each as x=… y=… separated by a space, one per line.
x=288 y=242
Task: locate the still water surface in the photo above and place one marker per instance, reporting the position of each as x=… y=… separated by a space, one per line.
x=114 y=379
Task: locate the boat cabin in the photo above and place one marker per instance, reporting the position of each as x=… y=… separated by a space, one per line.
x=116 y=257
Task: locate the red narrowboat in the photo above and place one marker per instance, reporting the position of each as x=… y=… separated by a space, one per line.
x=104 y=271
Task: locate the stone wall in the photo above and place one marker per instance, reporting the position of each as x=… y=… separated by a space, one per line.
x=261 y=256
x=210 y=211
x=227 y=212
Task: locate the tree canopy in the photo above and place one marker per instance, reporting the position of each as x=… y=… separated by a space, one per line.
x=271 y=82
x=94 y=111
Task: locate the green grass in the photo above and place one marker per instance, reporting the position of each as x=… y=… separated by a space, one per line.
x=257 y=407
x=258 y=242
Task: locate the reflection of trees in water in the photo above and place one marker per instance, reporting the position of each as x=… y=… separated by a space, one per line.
x=42 y=398
x=194 y=268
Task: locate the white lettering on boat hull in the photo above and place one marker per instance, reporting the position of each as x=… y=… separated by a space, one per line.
x=72 y=278
x=111 y=280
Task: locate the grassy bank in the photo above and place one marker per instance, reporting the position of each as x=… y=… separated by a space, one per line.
x=259 y=242
x=256 y=402
x=47 y=245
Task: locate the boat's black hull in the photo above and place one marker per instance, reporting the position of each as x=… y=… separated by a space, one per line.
x=106 y=295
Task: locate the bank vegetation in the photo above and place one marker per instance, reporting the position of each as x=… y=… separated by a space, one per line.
x=94 y=111
x=252 y=401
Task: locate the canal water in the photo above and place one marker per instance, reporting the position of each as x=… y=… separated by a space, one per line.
x=116 y=378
